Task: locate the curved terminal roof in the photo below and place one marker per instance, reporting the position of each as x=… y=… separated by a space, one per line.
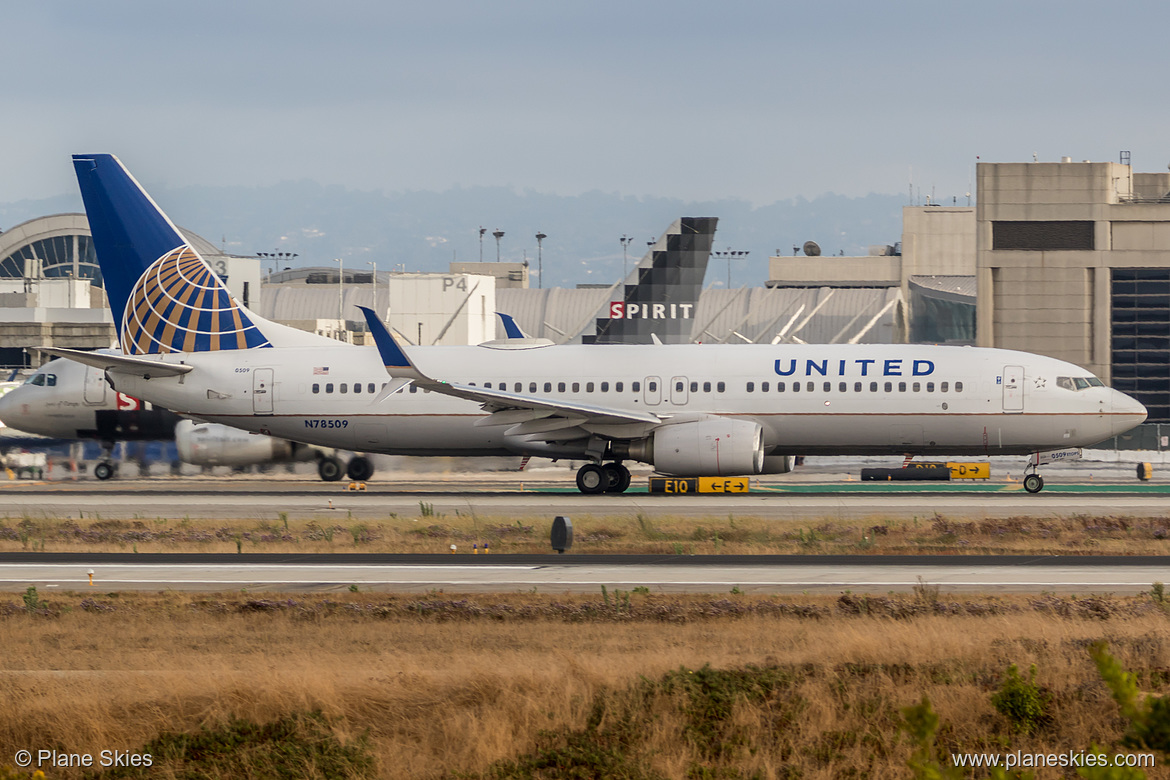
x=61 y=244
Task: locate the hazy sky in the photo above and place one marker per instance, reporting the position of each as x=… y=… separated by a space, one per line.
x=763 y=100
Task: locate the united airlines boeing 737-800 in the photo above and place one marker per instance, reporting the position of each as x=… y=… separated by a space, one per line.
x=688 y=410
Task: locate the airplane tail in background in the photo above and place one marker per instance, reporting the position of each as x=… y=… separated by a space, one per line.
x=164 y=297
x=657 y=302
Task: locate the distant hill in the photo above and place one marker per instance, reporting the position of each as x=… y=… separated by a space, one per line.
x=424 y=231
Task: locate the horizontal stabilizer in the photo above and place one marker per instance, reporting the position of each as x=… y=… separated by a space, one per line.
x=122 y=364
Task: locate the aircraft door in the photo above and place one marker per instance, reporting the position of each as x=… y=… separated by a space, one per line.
x=652 y=391
x=1013 y=388
x=262 y=391
x=678 y=390
x=95 y=386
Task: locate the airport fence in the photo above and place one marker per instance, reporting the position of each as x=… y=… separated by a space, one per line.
x=1154 y=437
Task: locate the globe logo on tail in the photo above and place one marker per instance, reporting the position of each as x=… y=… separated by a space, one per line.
x=180 y=305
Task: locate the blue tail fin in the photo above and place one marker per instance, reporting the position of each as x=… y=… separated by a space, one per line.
x=511 y=329
x=163 y=295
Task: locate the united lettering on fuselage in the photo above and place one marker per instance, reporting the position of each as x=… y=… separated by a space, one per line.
x=855 y=367
x=622 y=310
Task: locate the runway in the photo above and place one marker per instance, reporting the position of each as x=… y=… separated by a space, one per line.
x=258 y=498
x=579 y=574
x=265 y=499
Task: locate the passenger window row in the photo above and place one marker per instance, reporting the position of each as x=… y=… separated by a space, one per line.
x=858 y=387
x=565 y=387
x=679 y=386
x=371 y=387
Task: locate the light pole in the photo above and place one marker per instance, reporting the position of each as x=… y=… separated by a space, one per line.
x=625 y=243
x=277 y=258
x=498 y=234
x=729 y=254
x=540 y=260
x=340 y=293
x=482 y=230
x=374 y=281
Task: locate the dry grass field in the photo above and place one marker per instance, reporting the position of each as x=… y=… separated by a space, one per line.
x=427 y=531
x=620 y=685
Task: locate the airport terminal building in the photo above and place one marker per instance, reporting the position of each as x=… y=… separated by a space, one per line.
x=1073 y=261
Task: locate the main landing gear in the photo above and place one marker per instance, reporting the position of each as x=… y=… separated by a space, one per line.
x=593 y=478
x=359 y=468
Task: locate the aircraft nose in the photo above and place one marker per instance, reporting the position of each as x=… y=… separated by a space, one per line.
x=1128 y=412
x=9 y=408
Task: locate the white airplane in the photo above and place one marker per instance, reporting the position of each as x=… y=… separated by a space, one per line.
x=65 y=400
x=688 y=410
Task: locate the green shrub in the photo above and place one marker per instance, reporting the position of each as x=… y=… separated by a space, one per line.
x=290 y=748
x=1024 y=703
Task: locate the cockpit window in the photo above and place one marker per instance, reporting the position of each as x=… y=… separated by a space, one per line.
x=36 y=379
x=1078 y=382
x=51 y=380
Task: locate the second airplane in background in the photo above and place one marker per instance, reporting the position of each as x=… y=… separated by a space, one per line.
x=688 y=410
x=65 y=400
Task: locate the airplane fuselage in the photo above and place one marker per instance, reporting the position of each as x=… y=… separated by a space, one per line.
x=808 y=399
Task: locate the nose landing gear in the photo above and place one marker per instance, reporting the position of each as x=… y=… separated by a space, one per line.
x=1033 y=482
x=107 y=468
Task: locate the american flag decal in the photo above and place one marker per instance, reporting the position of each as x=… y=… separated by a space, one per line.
x=320 y=371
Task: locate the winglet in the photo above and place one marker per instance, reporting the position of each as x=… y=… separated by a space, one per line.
x=511 y=329
x=396 y=362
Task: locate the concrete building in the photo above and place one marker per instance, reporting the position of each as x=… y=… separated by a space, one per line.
x=1073 y=261
x=436 y=308
x=932 y=269
x=508 y=276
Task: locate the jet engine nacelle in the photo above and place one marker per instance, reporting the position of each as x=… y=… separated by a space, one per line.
x=212 y=444
x=717 y=447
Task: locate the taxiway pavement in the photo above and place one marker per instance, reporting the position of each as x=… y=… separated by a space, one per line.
x=581 y=573
x=258 y=498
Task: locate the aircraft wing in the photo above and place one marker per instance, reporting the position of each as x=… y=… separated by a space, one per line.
x=125 y=364
x=501 y=400
x=529 y=411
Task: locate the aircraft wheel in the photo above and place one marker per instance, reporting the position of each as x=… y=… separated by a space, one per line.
x=1033 y=483
x=360 y=468
x=103 y=470
x=618 y=476
x=329 y=469
x=591 y=479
